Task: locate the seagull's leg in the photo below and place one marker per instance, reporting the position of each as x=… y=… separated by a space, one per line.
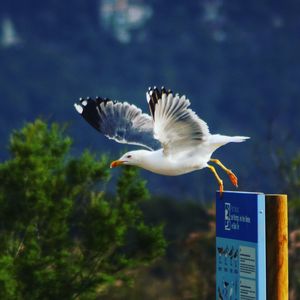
x=231 y=175
x=220 y=181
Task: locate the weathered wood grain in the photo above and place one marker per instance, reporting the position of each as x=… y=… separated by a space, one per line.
x=277 y=247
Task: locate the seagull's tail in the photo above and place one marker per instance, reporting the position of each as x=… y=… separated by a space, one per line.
x=218 y=140
x=224 y=139
x=236 y=139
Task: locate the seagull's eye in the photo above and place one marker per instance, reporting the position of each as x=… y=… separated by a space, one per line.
x=129 y=156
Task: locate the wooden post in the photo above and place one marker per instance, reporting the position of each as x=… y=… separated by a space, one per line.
x=277 y=247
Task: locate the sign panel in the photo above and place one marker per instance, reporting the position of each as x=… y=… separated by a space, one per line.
x=240 y=246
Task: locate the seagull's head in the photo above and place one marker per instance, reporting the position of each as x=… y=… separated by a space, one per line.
x=132 y=158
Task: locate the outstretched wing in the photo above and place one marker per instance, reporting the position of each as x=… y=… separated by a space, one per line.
x=120 y=121
x=176 y=126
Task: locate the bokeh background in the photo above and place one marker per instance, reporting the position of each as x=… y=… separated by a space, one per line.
x=237 y=61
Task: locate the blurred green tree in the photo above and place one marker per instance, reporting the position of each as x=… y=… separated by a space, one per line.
x=61 y=235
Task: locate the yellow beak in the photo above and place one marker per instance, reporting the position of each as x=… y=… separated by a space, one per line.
x=116 y=163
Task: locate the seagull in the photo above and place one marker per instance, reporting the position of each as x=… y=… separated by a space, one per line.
x=175 y=140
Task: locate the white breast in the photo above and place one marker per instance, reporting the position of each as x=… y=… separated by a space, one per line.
x=157 y=162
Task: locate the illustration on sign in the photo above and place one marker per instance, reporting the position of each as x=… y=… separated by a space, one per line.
x=240 y=246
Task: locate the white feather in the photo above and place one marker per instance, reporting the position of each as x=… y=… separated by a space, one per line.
x=176 y=126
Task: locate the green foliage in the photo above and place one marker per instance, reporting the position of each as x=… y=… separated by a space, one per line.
x=289 y=172
x=187 y=269
x=61 y=236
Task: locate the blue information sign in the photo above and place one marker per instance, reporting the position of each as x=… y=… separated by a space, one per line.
x=240 y=246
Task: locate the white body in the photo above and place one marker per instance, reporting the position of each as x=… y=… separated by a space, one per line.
x=158 y=162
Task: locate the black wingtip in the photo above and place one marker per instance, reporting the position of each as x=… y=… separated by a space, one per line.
x=91 y=110
x=154 y=95
x=87 y=108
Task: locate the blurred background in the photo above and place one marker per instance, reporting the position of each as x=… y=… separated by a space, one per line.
x=238 y=62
